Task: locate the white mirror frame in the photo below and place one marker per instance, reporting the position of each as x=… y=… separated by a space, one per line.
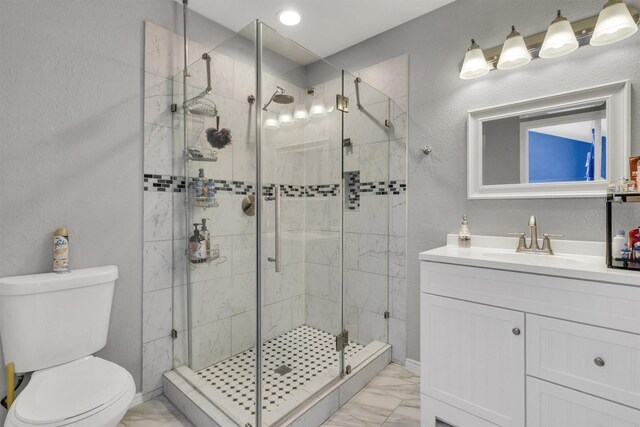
x=618 y=109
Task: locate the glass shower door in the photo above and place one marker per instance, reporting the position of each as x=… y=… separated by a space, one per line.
x=301 y=259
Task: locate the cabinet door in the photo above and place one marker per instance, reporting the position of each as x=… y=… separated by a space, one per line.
x=550 y=405
x=472 y=358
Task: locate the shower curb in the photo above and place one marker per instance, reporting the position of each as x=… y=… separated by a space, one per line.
x=202 y=413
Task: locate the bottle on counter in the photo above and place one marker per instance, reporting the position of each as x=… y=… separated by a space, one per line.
x=464 y=235
x=618 y=243
x=61 y=250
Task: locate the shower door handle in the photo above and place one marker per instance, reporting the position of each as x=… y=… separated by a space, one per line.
x=278 y=232
x=278 y=258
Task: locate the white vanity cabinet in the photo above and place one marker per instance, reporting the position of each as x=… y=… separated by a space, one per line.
x=502 y=347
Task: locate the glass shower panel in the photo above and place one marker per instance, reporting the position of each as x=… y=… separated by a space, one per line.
x=368 y=244
x=301 y=140
x=214 y=139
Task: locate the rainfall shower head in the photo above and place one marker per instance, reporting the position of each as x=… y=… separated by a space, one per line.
x=279 y=97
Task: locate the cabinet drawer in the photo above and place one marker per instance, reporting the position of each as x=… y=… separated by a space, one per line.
x=595 y=360
x=434 y=413
x=596 y=303
x=550 y=405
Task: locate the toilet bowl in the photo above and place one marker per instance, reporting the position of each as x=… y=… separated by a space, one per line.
x=51 y=325
x=87 y=392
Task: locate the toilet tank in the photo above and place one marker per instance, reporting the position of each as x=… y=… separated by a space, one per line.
x=50 y=319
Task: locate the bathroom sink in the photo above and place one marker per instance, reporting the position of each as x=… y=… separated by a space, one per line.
x=541 y=259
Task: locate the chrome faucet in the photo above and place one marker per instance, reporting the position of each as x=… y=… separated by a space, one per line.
x=533 y=245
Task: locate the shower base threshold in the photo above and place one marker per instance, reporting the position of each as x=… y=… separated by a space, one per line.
x=308 y=411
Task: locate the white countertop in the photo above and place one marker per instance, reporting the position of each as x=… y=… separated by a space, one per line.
x=572 y=259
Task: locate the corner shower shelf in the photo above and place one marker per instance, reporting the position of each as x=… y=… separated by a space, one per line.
x=205 y=202
x=198 y=154
x=213 y=259
x=619 y=198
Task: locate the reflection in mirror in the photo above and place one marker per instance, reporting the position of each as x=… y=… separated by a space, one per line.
x=570 y=144
x=562 y=145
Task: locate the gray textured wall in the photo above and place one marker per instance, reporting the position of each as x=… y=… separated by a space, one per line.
x=71 y=142
x=439 y=101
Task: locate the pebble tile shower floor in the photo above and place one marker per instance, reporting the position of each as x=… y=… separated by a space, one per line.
x=306 y=351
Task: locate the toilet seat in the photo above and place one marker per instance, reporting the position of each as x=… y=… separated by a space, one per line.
x=75 y=393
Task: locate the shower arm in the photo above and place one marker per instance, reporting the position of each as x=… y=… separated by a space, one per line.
x=207 y=58
x=279 y=89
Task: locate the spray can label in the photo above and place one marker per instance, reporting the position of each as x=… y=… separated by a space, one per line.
x=60 y=254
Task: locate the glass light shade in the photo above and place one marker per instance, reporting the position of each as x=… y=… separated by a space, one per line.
x=317 y=109
x=300 y=113
x=271 y=121
x=560 y=40
x=285 y=118
x=514 y=52
x=475 y=64
x=614 y=23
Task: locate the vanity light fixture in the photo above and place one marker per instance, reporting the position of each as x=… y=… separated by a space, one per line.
x=289 y=17
x=475 y=64
x=615 y=23
x=514 y=52
x=271 y=121
x=560 y=39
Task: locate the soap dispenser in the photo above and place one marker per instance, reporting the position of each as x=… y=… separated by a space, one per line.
x=197 y=254
x=464 y=235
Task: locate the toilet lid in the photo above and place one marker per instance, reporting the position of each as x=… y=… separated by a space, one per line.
x=70 y=390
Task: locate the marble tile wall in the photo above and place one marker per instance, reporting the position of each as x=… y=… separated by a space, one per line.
x=375 y=229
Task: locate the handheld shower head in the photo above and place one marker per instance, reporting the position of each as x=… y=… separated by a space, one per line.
x=279 y=97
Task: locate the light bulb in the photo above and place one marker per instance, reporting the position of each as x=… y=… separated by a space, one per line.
x=475 y=64
x=514 y=52
x=289 y=17
x=614 y=23
x=560 y=39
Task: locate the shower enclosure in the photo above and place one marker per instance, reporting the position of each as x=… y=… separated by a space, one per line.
x=289 y=292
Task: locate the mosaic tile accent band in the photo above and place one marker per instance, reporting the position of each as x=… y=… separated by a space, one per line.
x=177 y=184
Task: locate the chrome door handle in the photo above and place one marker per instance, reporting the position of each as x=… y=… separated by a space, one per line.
x=599 y=361
x=516 y=331
x=278 y=236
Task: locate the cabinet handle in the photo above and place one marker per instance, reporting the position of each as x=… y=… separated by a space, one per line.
x=516 y=331
x=599 y=361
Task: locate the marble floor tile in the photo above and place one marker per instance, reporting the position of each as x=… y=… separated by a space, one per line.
x=154 y=413
x=392 y=399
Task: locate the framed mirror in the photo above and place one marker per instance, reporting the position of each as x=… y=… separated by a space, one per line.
x=566 y=145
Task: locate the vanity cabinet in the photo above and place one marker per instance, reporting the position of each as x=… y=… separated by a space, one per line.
x=474 y=358
x=507 y=348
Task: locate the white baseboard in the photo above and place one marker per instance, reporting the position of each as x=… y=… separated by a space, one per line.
x=137 y=399
x=413 y=366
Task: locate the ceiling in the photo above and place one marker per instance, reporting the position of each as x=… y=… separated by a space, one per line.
x=327 y=26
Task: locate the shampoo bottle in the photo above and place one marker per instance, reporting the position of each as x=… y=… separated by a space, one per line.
x=618 y=243
x=211 y=191
x=464 y=235
x=200 y=184
x=206 y=237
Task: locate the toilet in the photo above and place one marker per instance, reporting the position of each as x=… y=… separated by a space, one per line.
x=50 y=325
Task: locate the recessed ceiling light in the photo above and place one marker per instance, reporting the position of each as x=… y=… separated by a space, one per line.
x=289 y=17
